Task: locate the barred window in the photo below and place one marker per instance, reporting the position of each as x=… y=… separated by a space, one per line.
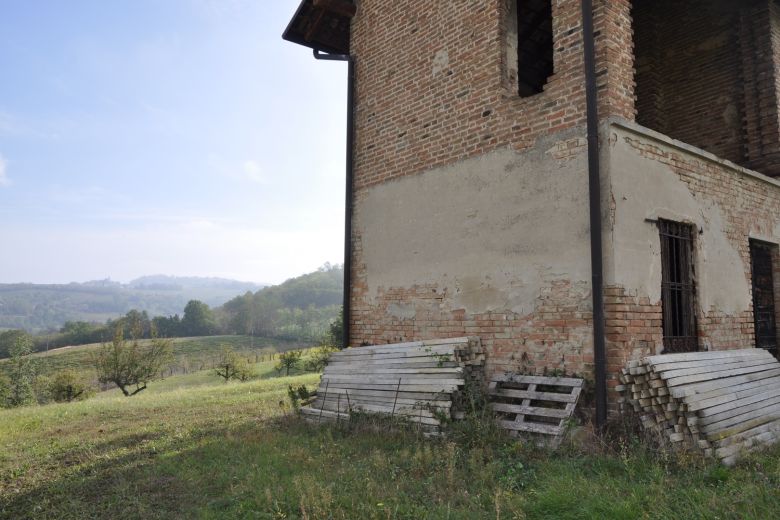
x=678 y=288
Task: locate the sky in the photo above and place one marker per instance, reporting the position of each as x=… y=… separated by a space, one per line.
x=179 y=137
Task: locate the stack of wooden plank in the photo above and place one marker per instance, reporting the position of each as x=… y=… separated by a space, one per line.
x=416 y=381
x=724 y=403
x=534 y=404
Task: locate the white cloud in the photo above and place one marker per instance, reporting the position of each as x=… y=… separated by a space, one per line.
x=76 y=195
x=4 y=180
x=253 y=172
x=248 y=171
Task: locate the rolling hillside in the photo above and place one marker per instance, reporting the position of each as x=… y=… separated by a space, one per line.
x=36 y=307
x=190 y=354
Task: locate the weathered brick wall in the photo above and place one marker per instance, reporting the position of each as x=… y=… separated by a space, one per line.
x=552 y=333
x=634 y=328
x=555 y=338
x=689 y=73
x=708 y=74
x=433 y=88
x=729 y=202
x=760 y=46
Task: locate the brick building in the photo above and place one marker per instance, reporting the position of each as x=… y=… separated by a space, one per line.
x=468 y=182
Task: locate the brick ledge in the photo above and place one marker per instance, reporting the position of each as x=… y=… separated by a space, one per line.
x=642 y=131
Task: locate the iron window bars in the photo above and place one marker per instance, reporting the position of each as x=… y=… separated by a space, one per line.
x=763 y=295
x=678 y=287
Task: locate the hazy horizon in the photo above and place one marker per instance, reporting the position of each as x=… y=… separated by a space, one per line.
x=127 y=281
x=182 y=137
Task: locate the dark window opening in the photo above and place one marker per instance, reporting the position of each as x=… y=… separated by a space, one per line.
x=764 y=316
x=689 y=72
x=678 y=289
x=534 y=46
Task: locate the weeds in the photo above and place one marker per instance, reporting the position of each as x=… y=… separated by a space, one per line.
x=298 y=395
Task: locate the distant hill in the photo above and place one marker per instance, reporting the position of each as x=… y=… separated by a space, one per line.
x=164 y=282
x=39 y=307
x=301 y=308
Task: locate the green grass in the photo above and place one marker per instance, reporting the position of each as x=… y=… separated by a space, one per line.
x=194 y=447
x=189 y=353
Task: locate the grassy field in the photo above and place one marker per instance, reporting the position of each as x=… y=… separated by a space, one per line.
x=191 y=354
x=193 y=447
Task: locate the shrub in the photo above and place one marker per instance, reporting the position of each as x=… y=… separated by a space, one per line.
x=318 y=358
x=5 y=391
x=289 y=360
x=22 y=372
x=298 y=395
x=68 y=385
x=478 y=427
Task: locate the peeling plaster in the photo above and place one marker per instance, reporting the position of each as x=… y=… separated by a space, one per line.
x=441 y=60
x=491 y=232
x=645 y=189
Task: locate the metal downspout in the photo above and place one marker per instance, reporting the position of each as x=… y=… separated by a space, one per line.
x=594 y=185
x=349 y=181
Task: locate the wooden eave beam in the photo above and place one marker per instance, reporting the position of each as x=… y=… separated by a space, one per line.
x=338 y=7
x=315 y=26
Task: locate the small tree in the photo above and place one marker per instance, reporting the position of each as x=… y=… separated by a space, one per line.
x=318 y=358
x=130 y=364
x=9 y=338
x=5 y=391
x=289 y=360
x=335 y=336
x=67 y=386
x=22 y=371
x=231 y=365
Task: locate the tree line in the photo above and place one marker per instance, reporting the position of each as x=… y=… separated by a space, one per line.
x=301 y=309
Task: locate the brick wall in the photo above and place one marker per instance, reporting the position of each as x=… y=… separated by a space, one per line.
x=689 y=75
x=707 y=74
x=745 y=206
x=748 y=206
x=555 y=338
x=433 y=87
x=553 y=334
x=760 y=39
x=633 y=329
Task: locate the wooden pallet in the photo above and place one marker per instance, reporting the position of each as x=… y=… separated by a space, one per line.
x=534 y=404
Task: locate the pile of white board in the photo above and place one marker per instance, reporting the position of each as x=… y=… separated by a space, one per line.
x=418 y=382
x=724 y=403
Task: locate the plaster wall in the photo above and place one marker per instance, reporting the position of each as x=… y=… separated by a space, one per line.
x=651 y=176
x=496 y=245
x=489 y=231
